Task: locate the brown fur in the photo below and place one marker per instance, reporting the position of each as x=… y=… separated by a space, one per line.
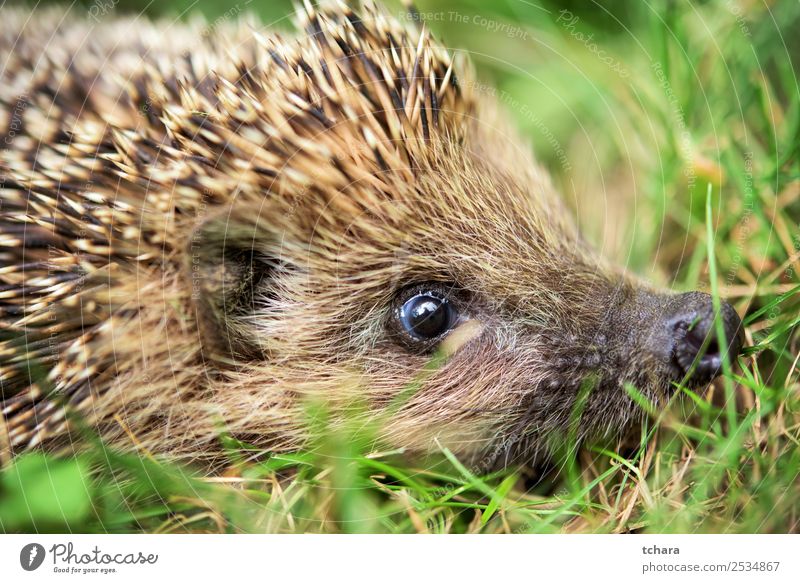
x=203 y=228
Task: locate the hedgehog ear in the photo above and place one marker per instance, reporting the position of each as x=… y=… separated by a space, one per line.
x=229 y=258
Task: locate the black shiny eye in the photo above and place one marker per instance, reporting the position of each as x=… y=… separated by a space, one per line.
x=426 y=315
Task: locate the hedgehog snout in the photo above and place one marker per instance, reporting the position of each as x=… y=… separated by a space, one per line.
x=698 y=351
x=675 y=336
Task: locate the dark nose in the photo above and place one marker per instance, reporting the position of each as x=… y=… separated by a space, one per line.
x=698 y=350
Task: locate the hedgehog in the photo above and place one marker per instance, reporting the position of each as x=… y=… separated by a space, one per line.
x=205 y=228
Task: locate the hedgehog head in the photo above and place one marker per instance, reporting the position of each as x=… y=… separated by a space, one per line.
x=408 y=224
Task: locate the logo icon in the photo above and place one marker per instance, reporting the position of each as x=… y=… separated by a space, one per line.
x=31 y=556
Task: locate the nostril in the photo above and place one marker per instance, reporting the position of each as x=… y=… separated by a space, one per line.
x=698 y=351
x=697 y=336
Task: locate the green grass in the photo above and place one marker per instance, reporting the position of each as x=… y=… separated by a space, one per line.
x=685 y=170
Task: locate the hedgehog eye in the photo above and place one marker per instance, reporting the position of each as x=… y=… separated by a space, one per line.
x=426 y=315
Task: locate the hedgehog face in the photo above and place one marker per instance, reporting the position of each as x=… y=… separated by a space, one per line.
x=473 y=266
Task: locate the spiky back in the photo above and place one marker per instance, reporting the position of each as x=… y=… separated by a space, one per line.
x=117 y=136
